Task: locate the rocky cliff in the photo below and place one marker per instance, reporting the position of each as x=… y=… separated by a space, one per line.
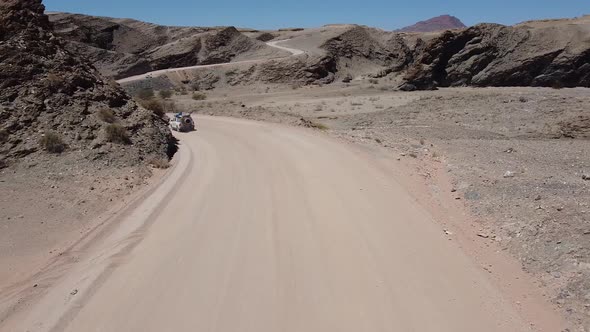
x=52 y=101
x=555 y=54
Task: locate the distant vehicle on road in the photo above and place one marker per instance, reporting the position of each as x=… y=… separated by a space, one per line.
x=182 y=122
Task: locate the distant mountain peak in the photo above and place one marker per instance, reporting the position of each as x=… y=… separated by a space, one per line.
x=443 y=22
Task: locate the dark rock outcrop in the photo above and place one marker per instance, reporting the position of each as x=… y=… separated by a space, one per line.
x=496 y=55
x=360 y=44
x=45 y=88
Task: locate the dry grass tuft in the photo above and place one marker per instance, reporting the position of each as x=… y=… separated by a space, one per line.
x=117 y=134
x=52 y=142
x=107 y=116
x=160 y=163
x=199 y=96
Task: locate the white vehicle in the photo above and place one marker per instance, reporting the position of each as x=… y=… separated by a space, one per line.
x=182 y=122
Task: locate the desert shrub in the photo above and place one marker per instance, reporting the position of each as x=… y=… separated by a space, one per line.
x=117 y=134
x=170 y=107
x=161 y=163
x=374 y=81
x=413 y=72
x=153 y=105
x=319 y=126
x=199 y=96
x=4 y=135
x=107 y=116
x=112 y=83
x=52 y=142
x=557 y=85
x=523 y=99
x=165 y=94
x=145 y=94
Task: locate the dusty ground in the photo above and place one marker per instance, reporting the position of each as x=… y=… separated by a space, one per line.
x=264 y=227
x=515 y=159
x=44 y=211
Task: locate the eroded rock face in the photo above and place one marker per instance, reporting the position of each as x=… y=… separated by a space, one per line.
x=45 y=88
x=496 y=55
x=121 y=47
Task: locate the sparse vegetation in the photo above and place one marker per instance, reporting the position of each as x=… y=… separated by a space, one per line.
x=557 y=85
x=54 y=81
x=112 y=83
x=169 y=107
x=522 y=99
x=166 y=94
x=374 y=81
x=160 y=163
x=116 y=133
x=153 y=105
x=296 y=86
x=107 y=115
x=52 y=142
x=145 y=94
x=199 y=96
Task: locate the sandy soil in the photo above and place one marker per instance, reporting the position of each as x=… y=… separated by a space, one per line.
x=320 y=235
x=507 y=151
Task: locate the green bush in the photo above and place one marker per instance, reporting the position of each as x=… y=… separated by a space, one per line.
x=117 y=134
x=165 y=94
x=107 y=116
x=145 y=94
x=199 y=96
x=52 y=143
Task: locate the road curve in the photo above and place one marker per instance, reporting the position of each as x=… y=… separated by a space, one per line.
x=266 y=228
x=157 y=73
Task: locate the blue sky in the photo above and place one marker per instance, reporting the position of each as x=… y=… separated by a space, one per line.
x=261 y=14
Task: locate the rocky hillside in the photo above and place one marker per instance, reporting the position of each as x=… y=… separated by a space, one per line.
x=53 y=102
x=535 y=54
x=123 y=47
x=439 y=23
x=538 y=53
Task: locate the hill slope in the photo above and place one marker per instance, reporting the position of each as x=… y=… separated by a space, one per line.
x=439 y=23
x=123 y=47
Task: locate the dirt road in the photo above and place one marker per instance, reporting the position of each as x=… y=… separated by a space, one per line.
x=261 y=227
